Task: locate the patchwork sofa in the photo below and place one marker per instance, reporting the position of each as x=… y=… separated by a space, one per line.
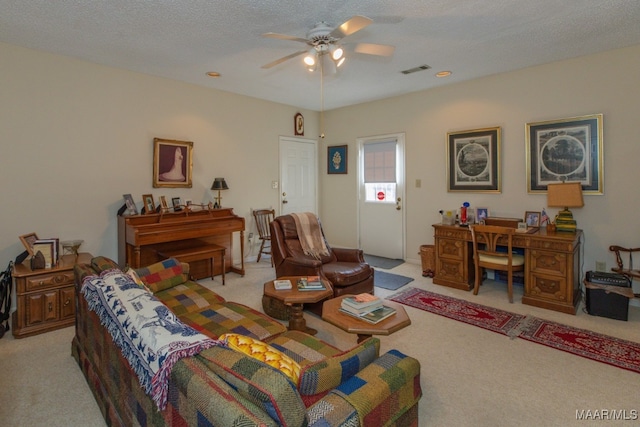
x=231 y=385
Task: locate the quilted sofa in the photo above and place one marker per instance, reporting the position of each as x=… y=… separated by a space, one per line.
x=224 y=386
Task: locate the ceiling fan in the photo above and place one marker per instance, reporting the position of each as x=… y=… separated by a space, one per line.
x=324 y=39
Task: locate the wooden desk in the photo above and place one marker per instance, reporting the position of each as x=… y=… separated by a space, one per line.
x=552 y=265
x=142 y=237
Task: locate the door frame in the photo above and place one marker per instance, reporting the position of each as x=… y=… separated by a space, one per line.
x=400 y=141
x=297 y=140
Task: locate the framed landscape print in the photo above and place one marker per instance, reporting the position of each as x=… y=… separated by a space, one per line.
x=473 y=160
x=565 y=150
x=172 y=163
x=337 y=159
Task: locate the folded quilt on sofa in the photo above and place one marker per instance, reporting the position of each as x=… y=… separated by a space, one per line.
x=150 y=336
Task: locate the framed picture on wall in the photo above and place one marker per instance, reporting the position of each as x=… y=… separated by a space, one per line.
x=172 y=163
x=337 y=159
x=565 y=150
x=473 y=160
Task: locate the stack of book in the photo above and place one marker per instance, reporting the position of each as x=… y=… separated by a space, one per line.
x=310 y=283
x=366 y=307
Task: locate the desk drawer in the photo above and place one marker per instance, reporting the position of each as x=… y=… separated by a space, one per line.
x=548 y=263
x=451 y=249
x=548 y=287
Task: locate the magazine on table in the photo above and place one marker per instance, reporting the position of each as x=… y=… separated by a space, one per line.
x=374 y=316
x=361 y=301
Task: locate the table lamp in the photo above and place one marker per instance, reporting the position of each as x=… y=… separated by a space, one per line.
x=565 y=195
x=219 y=184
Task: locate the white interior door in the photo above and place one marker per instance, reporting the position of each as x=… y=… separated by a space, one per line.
x=381 y=195
x=298 y=175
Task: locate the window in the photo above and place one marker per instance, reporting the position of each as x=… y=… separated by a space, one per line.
x=380 y=171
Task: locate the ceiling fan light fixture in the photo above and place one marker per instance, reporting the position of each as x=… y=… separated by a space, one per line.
x=310 y=59
x=337 y=52
x=340 y=61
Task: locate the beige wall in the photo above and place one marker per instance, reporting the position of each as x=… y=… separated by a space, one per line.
x=606 y=83
x=76 y=136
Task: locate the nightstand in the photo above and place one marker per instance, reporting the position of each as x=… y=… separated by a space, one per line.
x=45 y=299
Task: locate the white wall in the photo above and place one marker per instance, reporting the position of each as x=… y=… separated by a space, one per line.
x=76 y=136
x=605 y=83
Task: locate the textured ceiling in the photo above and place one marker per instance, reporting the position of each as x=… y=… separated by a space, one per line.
x=184 y=39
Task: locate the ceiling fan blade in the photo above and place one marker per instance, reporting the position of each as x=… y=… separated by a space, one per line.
x=375 y=49
x=284 y=58
x=285 y=37
x=350 y=26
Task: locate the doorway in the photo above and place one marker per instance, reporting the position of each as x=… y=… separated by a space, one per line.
x=381 y=195
x=298 y=175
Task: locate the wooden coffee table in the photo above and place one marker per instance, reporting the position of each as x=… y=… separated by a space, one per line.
x=331 y=314
x=296 y=299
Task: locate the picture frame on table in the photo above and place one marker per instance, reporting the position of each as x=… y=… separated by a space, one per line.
x=532 y=219
x=172 y=163
x=337 y=159
x=27 y=241
x=46 y=248
x=177 y=204
x=481 y=215
x=473 y=160
x=148 y=203
x=164 y=204
x=130 y=204
x=565 y=150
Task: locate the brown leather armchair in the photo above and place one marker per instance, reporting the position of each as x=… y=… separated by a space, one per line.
x=346 y=269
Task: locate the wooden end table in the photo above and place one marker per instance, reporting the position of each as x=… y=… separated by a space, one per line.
x=296 y=299
x=331 y=314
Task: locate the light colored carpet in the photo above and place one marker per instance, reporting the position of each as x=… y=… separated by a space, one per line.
x=470 y=377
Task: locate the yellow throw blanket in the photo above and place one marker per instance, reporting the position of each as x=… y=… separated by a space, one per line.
x=310 y=235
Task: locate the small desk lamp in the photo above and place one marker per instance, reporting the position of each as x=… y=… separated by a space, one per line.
x=565 y=195
x=219 y=184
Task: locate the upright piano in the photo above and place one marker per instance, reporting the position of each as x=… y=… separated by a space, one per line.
x=142 y=237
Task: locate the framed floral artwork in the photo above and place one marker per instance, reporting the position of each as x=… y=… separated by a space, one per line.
x=337 y=159
x=172 y=163
x=473 y=160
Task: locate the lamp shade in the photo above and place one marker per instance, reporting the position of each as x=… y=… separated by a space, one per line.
x=219 y=184
x=565 y=195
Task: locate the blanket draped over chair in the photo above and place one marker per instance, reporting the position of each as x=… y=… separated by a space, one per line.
x=310 y=235
x=151 y=337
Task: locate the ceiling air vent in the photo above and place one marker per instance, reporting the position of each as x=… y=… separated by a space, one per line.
x=416 y=69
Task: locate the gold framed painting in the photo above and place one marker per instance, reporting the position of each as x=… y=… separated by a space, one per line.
x=172 y=163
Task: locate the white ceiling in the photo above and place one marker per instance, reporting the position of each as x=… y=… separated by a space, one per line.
x=183 y=39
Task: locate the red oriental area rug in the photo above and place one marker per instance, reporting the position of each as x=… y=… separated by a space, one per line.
x=591 y=345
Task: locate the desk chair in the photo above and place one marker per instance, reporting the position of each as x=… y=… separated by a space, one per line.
x=486 y=239
x=263 y=218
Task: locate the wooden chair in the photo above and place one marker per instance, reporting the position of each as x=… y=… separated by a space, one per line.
x=486 y=240
x=263 y=218
x=629 y=271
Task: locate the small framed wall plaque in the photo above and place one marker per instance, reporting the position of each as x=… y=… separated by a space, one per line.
x=298 y=124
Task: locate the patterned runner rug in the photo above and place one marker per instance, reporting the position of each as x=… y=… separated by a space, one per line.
x=591 y=345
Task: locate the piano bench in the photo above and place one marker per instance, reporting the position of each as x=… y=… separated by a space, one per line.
x=198 y=253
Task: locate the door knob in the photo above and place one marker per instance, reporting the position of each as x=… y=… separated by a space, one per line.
x=284 y=201
x=398 y=204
